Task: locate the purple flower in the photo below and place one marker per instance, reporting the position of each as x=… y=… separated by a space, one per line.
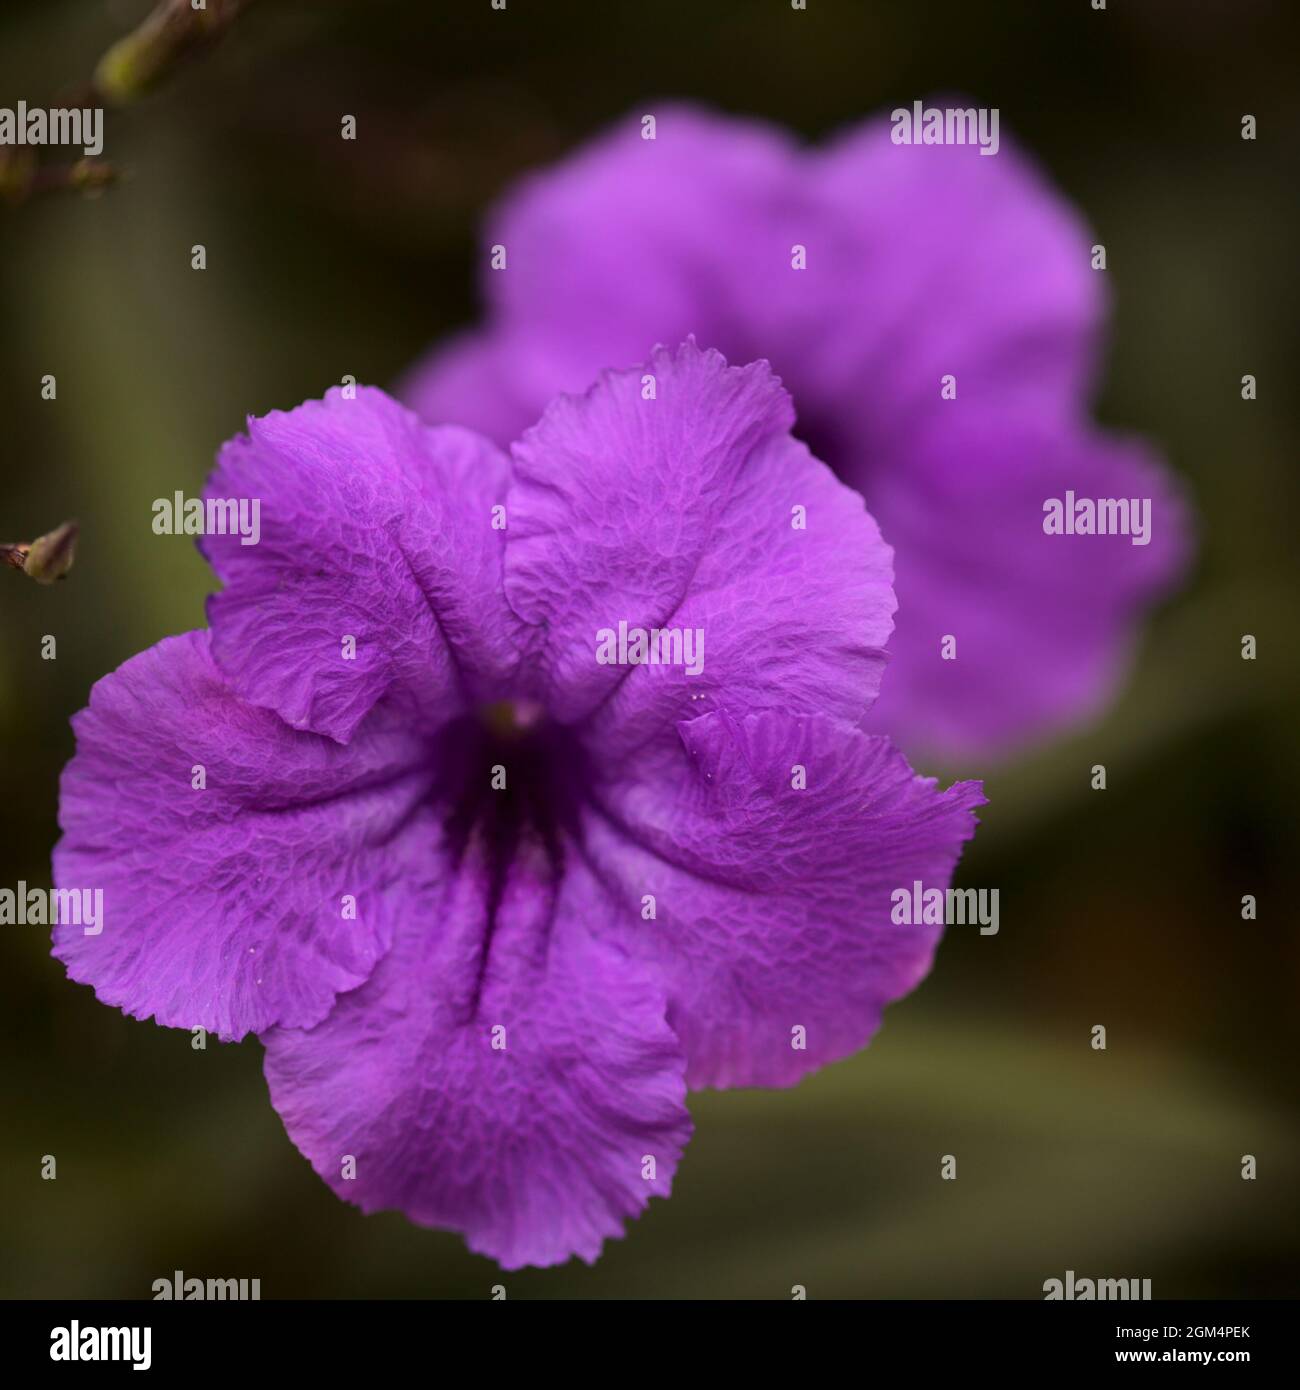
x=923 y=262
x=493 y=903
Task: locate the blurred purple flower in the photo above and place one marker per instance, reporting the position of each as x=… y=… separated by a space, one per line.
x=500 y=1037
x=922 y=261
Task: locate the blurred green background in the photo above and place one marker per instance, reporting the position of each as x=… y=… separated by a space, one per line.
x=1120 y=907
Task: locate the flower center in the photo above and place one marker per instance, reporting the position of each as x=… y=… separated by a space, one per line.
x=511 y=718
x=510 y=786
x=509 y=776
x=818 y=431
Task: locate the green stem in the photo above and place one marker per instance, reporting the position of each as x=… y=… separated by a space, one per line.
x=174 y=31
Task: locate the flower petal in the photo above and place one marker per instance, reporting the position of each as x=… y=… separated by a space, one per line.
x=919 y=261
x=502 y=1074
x=693 y=511
x=484 y=381
x=627 y=243
x=223 y=906
x=922 y=261
x=962 y=264
x=772 y=905
x=374 y=527
x=1041 y=623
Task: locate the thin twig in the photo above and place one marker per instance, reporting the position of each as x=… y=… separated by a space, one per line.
x=135 y=65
